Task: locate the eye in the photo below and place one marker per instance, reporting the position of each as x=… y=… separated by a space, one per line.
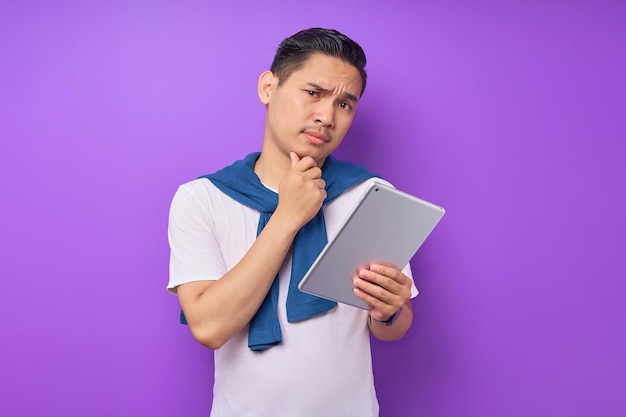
x=312 y=93
x=345 y=105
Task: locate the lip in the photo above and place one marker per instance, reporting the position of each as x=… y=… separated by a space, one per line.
x=316 y=137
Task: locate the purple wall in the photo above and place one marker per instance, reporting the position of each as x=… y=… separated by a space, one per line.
x=509 y=115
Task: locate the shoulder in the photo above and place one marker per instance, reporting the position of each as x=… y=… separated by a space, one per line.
x=200 y=197
x=201 y=191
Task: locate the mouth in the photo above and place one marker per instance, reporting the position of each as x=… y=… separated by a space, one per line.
x=317 y=137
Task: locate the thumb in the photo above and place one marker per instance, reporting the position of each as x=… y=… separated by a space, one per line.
x=294 y=159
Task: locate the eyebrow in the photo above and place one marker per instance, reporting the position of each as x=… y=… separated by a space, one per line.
x=345 y=95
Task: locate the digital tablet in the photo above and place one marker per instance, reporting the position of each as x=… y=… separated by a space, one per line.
x=385 y=226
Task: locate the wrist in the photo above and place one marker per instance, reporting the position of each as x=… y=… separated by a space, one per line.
x=285 y=224
x=391 y=320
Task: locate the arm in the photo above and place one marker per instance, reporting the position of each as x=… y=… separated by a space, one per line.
x=387 y=290
x=216 y=310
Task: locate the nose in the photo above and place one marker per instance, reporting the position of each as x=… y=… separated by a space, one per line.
x=325 y=114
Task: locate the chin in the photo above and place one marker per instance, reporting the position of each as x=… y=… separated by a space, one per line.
x=318 y=153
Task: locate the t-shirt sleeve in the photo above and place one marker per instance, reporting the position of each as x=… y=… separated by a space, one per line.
x=407 y=271
x=194 y=251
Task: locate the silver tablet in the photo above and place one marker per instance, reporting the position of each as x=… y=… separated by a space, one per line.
x=385 y=226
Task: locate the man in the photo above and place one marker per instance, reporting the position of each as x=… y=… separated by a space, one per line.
x=242 y=238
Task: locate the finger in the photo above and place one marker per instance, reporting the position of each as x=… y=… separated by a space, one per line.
x=381 y=301
x=389 y=284
x=373 y=289
x=380 y=280
x=320 y=183
x=305 y=164
x=294 y=159
x=313 y=173
x=378 y=308
x=391 y=272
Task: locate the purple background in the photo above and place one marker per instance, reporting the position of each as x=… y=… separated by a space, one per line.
x=509 y=114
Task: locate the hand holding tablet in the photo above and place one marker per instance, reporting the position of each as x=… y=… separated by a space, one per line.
x=386 y=226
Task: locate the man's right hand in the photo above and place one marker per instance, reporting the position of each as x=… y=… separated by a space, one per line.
x=301 y=192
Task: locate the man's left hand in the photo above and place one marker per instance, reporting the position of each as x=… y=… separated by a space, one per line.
x=384 y=288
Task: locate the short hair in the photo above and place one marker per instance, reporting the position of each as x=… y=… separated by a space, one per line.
x=295 y=50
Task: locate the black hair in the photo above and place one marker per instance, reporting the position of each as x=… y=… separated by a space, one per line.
x=296 y=49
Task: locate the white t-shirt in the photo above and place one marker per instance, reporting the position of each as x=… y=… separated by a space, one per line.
x=323 y=365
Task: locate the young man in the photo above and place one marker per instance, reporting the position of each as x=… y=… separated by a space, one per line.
x=242 y=238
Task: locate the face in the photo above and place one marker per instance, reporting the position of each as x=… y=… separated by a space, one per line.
x=310 y=112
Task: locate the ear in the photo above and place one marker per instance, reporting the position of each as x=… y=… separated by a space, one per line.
x=267 y=83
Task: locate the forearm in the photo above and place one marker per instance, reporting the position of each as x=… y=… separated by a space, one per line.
x=216 y=310
x=223 y=307
x=397 y=330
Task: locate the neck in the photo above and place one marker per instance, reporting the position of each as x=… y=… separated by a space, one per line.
x=271 y=168
x=273 y=164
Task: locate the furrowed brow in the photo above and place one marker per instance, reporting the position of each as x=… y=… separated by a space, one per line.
x=345 y=95
x=350 y=97
x=318 y=88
